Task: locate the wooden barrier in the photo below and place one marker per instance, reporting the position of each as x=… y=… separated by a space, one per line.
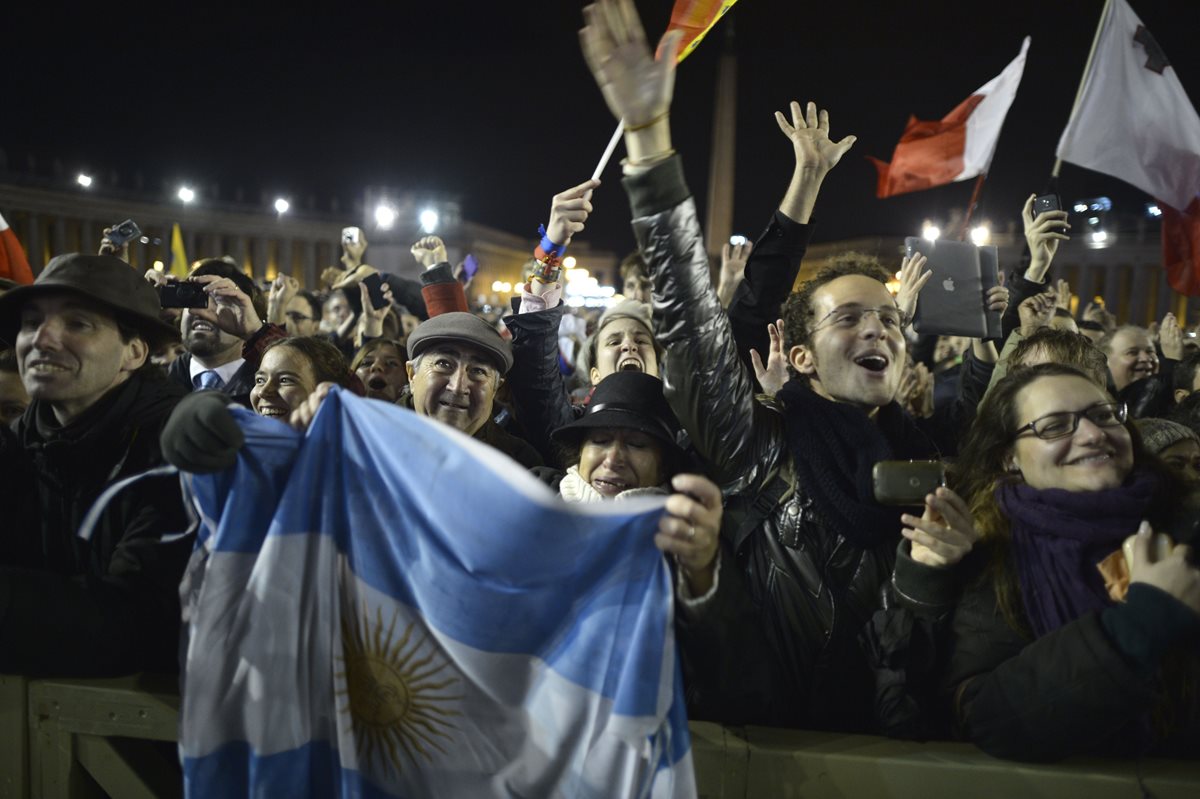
x=765 y=762
x=14 y=737
x=92 y=738
x=78 y=739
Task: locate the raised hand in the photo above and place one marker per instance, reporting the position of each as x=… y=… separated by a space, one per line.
x=689 y=528
x=1042 y=235
x=352 y=251
x=283 y=290
x=569 y=212
x=636 y=85
x=944 y=533
x=1036 y=312
x=429 y=251
x=108 y=248
x=997 y=297
x=733 y=270
x=234 y=309
x=371 y=321
x=809 y=134
x=1096 y=312
x=774 y=374
x=1062 y=295
x=1170 y=338
x=912 y=280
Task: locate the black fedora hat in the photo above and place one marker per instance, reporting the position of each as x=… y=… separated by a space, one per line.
x=104 y=280
x=630 y=401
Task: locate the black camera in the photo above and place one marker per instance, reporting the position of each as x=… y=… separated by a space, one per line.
x=123 y=233
x=182 y=295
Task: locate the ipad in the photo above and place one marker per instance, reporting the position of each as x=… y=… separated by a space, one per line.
x=951 y=304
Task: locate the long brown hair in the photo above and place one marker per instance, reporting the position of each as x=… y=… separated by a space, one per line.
x=980 y=469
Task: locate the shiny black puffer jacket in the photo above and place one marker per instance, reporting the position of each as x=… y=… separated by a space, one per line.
x=783 y=649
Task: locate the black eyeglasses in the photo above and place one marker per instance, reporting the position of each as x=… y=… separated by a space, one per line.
x=1061 y=425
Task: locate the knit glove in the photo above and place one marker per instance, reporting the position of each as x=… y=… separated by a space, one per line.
x=201 y=436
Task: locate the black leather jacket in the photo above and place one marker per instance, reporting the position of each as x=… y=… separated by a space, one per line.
x=785 y=649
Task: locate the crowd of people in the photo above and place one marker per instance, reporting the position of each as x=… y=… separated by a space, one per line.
x=1042 y=602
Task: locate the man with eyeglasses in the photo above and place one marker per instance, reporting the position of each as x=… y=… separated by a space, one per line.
x=809 y=548
x=299 y=312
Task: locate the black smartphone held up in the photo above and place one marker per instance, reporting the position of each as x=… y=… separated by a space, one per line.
x=1046 y=202
x=906 y=483
x=374 y=284
x=124 y=232
x=182 y=295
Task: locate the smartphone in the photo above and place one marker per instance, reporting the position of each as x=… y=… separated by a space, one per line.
x=182 y=295
x=374 y=284
x=1046 y=202
x=122 y=233
x=351 y=235
x=906 y=483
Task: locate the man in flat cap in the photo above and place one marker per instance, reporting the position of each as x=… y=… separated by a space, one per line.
x=456 y=364
x=100 y=598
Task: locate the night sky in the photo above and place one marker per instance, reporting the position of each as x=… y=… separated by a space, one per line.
x=492 y=103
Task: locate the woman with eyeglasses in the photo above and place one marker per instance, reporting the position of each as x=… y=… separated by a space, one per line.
x=1065 y=642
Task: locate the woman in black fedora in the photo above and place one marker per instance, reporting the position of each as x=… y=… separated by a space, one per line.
x=624 y=447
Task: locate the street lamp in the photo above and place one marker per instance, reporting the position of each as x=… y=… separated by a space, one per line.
x=84 y=180
x=385 y=216
x=186 y=195
x=980 y=235
x=429 y=220
x=569 y=262
x=282 y=206
x=930 y=232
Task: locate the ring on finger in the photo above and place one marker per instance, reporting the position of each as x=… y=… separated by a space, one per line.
x=691 y=531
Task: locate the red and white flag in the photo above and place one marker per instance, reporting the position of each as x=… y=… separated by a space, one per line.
x=13 y=263
x=960 y=145
x=1134 y=121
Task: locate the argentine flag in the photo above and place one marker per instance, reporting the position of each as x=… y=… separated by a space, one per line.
x=384 y=607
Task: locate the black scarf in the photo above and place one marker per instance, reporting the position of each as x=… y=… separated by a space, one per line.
x=835 y=445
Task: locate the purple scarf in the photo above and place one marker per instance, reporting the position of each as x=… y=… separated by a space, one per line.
x=1058 y=538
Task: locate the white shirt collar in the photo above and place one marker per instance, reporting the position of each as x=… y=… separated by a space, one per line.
x=225 y=372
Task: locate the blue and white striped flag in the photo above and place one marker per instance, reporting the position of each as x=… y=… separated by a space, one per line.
x=386 y=607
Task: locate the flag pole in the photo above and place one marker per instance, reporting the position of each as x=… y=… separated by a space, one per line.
x=608 y=151
x=962 y=234
x=1087 y=68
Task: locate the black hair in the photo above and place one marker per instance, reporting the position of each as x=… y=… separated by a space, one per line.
x=1185 y=372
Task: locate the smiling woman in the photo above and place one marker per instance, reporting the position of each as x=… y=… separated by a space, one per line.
x=1070 y=640
x=291 y=369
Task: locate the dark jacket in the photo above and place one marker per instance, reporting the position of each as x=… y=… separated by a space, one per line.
x=808 y=590
x=1087 y=687
x=770 y=274
x=109 y=605
x=238 y=387
x=538 y=391
x=491 y=434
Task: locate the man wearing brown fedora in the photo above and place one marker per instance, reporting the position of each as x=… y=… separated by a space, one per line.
x=84 y=596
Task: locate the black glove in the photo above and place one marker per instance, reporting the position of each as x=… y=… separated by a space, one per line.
x=201 y=435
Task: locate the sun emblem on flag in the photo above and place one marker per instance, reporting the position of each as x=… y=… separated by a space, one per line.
x=395 y=690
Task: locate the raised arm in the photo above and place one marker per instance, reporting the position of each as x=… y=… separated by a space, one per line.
x=774 y=263
x=538 y=391
x=710 y=390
